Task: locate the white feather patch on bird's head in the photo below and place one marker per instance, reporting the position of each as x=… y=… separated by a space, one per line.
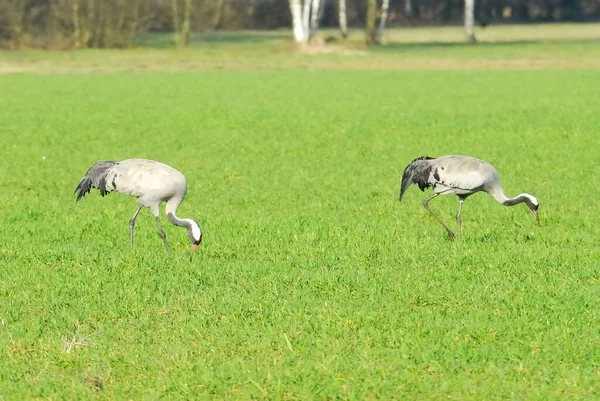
x=532 y=199
x=533 y=205
x=195 y=232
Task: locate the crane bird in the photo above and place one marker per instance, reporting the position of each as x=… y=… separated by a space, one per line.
x=461 y=176
x=151 y=182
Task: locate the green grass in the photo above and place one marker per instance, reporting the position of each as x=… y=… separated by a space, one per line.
x=313 y=281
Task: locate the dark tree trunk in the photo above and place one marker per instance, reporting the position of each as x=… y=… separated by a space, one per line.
x=371 y=23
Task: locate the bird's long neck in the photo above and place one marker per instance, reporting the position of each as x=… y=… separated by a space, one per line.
x=193 y=227
x=516 y=200
x=194 y=230
x=177 y=221
x=171 y=208
x=498 y=194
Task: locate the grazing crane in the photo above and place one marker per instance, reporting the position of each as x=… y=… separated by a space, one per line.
x=151 y=182
x=461 y=176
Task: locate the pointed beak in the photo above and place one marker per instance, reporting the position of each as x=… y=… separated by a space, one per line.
x=194 y=247
x=535 y=214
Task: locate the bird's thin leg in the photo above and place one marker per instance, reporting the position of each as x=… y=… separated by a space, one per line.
x=459 y=217
x=162 y=233
x=450 y=233
x=132 y=224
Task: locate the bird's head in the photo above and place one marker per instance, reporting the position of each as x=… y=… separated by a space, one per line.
x=533 y=204
x=195 y=233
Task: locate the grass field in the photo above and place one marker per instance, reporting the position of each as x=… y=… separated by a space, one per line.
x=537 y=47
x=313 y=281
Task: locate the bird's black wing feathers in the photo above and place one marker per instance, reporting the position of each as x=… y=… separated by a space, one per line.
x=95 y=178
x=417 y=172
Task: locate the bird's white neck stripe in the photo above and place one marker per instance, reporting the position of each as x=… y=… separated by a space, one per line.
x=195 y=229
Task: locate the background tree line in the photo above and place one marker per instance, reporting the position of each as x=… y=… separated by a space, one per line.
x=119 y=23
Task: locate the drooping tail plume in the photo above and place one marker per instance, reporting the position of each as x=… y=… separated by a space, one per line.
x=417 y=172
x=95 y=178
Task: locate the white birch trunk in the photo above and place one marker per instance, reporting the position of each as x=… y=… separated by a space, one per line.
x=306 y=18
x=297 y=21
x=342 y=18
x=314 y=17
x=408 y=7
x=318 y=6
x=470 y=20
x=384 y=12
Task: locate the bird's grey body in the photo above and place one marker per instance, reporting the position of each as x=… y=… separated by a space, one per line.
x=151 y=182
x=461 y=176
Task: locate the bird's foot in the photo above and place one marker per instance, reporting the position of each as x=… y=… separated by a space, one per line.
x=451 y=236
